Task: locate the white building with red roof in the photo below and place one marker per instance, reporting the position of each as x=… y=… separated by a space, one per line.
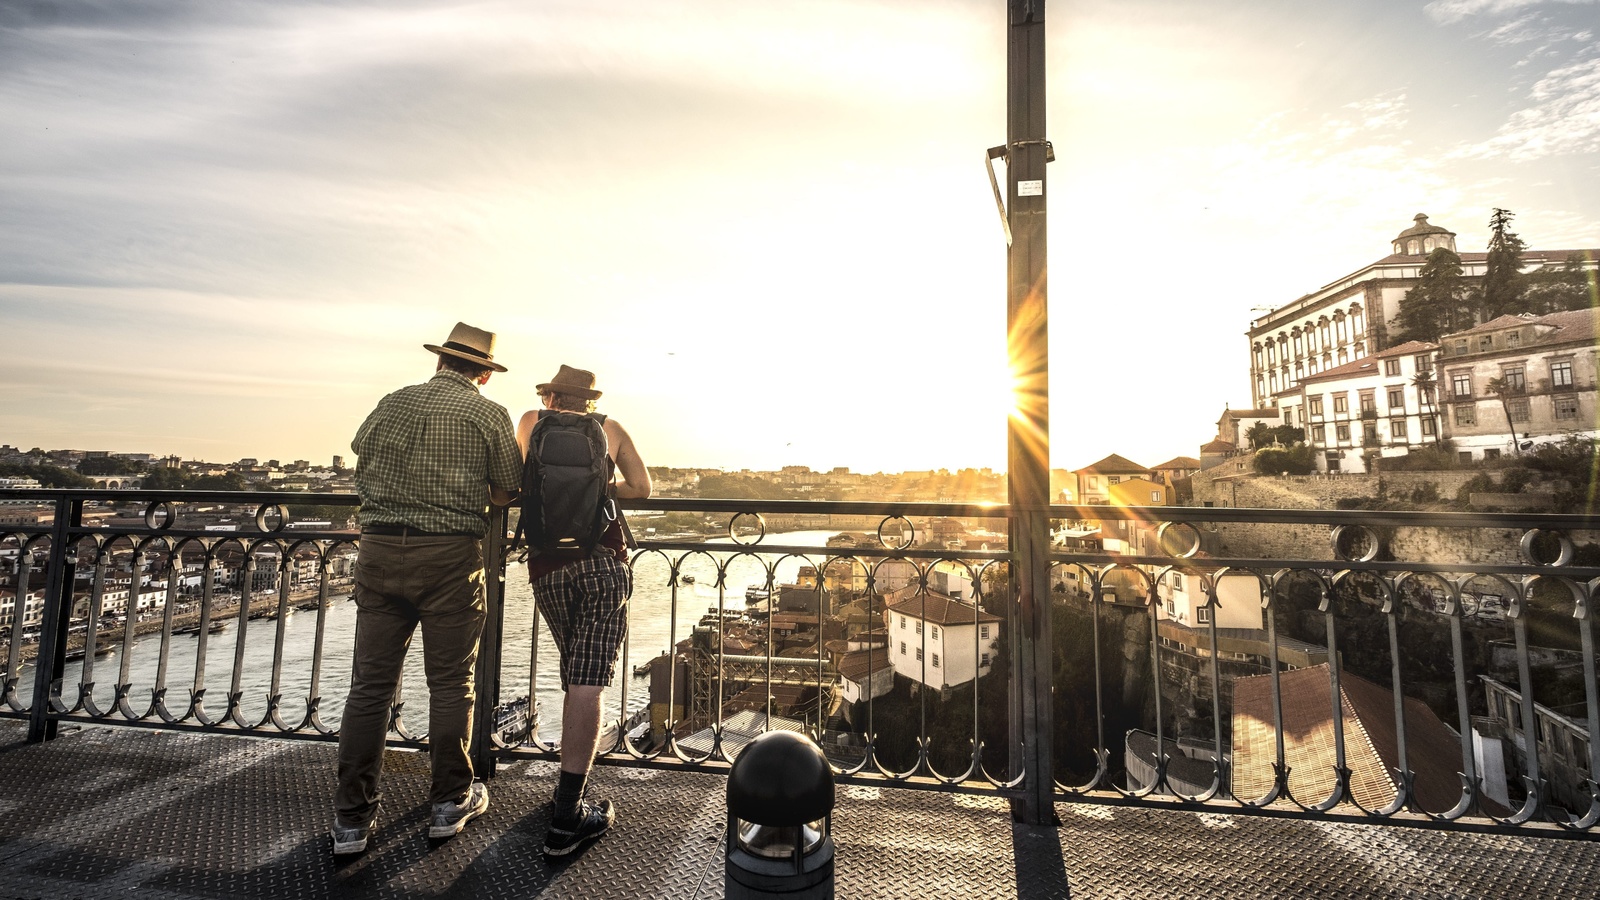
x=939 y=641
x=1375 y=405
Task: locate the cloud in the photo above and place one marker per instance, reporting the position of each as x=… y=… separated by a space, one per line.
x=1448 y=12
x=1564 y=118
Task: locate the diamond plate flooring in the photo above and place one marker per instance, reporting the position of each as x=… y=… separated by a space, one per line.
x=124 y=812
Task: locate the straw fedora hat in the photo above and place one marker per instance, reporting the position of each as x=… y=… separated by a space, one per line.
x=575 y=382
x=471 y=344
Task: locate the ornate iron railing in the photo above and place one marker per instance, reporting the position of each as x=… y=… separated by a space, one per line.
x=1405 y=667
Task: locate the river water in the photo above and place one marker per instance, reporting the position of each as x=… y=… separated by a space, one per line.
x=652 y=631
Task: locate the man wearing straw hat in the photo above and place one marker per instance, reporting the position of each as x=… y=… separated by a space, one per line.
x=432 y=457
x=585 y=604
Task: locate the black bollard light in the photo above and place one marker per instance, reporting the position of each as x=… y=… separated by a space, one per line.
x=780 y=820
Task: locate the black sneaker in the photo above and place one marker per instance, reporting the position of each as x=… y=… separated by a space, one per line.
x=569 y=835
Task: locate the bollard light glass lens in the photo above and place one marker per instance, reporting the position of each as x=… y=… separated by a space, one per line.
x=779 y=841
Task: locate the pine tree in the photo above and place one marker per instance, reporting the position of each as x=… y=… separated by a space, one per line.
x=1437 y=305
x=1503 y=282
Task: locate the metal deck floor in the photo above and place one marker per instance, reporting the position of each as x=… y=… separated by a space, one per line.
x=130 y=813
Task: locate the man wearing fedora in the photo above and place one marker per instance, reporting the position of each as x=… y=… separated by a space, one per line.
x=585 y=604
x=432 y=457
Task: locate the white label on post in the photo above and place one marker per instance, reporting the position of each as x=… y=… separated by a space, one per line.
x=1030 y=188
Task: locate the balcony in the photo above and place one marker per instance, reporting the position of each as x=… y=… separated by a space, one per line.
x=1404 y=603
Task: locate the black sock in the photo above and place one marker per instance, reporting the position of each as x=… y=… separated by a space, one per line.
x=569 y=791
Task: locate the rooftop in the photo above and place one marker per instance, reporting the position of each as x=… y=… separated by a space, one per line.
x=133 y=813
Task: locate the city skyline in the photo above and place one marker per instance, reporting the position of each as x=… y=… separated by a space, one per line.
x=230 y=228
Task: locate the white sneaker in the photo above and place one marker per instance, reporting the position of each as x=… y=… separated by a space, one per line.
x=450 y=818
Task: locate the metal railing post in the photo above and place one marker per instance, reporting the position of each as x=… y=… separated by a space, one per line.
x=49 y=666
x=1028 y=433
x=487 y=676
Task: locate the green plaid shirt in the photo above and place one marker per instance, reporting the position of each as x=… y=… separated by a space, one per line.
x=428 y=453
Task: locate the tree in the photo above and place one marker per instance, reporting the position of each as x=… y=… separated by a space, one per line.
x=109 y=465
x=48 y=476
x=1259 y=435
x=165 y=479
x=1424 y=383
x=1296 y=460
x=1503 y=389
x=1437 y=305
x=1501 y=292
x=1568 y=287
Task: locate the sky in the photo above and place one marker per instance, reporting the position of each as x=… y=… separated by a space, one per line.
x=227 y=228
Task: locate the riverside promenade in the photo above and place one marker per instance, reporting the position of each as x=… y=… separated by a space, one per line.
x=126 y=812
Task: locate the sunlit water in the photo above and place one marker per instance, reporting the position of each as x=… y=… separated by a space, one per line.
x=652 y=630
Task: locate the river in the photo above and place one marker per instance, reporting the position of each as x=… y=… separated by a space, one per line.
x=652 y=631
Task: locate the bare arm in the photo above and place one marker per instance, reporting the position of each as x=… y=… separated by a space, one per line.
x=635 y=477
x=525 y=430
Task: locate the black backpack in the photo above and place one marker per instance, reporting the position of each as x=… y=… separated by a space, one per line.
x=567 y=501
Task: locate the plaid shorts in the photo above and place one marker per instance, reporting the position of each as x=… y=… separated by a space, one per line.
x=585 y=605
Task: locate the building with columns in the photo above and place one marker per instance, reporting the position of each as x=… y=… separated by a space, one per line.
x=1352 y=317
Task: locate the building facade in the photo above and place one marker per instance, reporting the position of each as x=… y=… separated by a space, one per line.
x=1532 y=375
x=1381 y=405
x=1352 y=317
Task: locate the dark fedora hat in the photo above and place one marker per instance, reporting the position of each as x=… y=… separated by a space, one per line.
x=575 y=382
x=471 y=344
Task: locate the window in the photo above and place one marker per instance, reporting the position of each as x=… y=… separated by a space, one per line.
x=1516 y=381
x=1369 y=403
x=1288 y=415
x=1461 y=349
x=1155 y=496
x=1341 y=404
x=983 y=632
x=1397 y=398
x=919 y=654
x=1094 y=481
x=1517 y=409
x=1466 y=414
x=1422 y=363
x=902 y=622
x=985 y=663
x=1391 y=367
x=1342 y=432
x=1486 y=342
x=1561 y=373
x=1428 y=426
x=1464 y=456
x=936 y=660
x=1397 y=429
x=1316 y=406
x=1202 y=615
x=902 y=648
x=1461 y=384
x=1513 y=339
x=1319 y=433
x=1566 y=407
x=936 y=632
x=1491 y=453
x=919 y=626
